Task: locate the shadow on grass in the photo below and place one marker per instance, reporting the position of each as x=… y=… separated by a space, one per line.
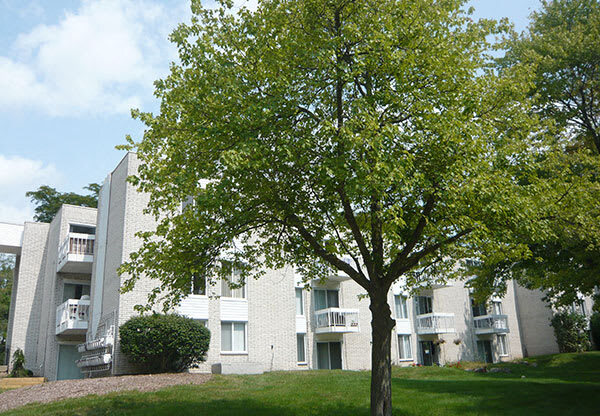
x=584 y=367
x=505 y=395
x=147 y=405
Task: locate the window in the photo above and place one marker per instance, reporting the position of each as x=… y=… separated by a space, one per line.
x=233 y=336
x=82 y=229
x=198 y=285
x=404 y=350
x=497 y=307
x=479 y=309
x=578 y=307
x=236 y=278
x=401 y=309
x=326 y=299
x=424 y=305
x=502 y=346
x=299 y=303
x=75 y=291
x=301 y=348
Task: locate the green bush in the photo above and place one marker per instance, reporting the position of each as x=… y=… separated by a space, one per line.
x=595 y=327
x=571 y=332
x=18 y=365
x=164 y=343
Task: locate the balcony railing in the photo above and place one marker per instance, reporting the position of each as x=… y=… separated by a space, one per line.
x=491 y=324
x=336 y=320
x=76 y=253
x=435 y=323
x=72 y=317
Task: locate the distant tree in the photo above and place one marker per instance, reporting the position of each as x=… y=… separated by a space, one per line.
x=48 y=200
x=311 y=131
x=6 y=279
x=570 y=330
x=562 y=46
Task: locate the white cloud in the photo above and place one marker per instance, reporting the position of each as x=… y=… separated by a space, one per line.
x=101 y=58
x=17 y=176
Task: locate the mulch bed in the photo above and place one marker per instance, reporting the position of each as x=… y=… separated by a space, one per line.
x=65 y=389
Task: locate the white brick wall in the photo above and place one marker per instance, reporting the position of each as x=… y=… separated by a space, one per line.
x=271 y=311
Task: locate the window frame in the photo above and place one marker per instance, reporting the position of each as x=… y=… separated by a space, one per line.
x=192 y=285
x=403 y=306
x=300 y=291
x=401 y=349
x=327 y=298
x=234 y=352
x=234 y=278
x=298 y=361
x=429 y=304
x=502 y=345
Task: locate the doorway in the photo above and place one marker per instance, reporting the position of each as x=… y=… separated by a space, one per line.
x=67 y=366
x=329 y=355
x=484 y=348
x=428 y=355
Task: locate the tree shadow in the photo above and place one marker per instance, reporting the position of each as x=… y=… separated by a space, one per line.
x=501 y=394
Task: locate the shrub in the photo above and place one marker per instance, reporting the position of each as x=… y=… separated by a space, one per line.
x=595 y=327
x=570 y=331
x=164 y=343
x=18 y=365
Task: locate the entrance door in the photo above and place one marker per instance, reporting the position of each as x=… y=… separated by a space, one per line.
x=484 y=348
x=427 y=352
x=329 y=355
x=67 y=369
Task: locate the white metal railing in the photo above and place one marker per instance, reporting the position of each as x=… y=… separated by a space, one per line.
x=435 y=323
x=94 y=360
x=76 y=243
x=490 y=323
x=72 y=314
x=336 y=320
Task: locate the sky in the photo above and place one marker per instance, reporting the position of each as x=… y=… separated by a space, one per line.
x=71 y=70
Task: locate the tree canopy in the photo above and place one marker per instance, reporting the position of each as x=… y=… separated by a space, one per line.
x=307 y=131
x=48 y=200
x=561 y=46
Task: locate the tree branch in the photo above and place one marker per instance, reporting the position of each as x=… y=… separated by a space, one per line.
x=357 y=276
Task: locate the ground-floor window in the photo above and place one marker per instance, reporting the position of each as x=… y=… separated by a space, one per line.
x=233 y=337
x=502 y=346
x=301 y=349
x=404 y=349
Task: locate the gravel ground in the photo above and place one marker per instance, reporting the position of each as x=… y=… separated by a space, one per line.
x=64 y=389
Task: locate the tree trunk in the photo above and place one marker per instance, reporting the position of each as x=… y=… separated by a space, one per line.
x=381 y=360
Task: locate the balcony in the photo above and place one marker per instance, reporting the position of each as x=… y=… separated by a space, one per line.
x=435 y=323
x=490 y=324
x=72 y=317
x=76 y=254
x=336 y=321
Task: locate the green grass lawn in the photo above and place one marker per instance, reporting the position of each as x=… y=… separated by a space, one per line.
x=566 y=384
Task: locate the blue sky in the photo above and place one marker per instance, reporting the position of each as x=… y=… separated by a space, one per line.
x=70 y=70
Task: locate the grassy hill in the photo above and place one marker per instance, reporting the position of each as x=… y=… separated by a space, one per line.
x=559 y=385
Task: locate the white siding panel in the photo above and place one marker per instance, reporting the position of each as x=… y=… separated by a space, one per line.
x=195 y=307
x=300 y=324
x=403 y=326
x=234 y=309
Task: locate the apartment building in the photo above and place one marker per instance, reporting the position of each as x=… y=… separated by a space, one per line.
x=67 y=306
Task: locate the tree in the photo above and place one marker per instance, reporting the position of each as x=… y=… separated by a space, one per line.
x=561 y=45
x=311 y=130
x=48 y=200
x=571 y=333
x=164 y=343
x=6 y=278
